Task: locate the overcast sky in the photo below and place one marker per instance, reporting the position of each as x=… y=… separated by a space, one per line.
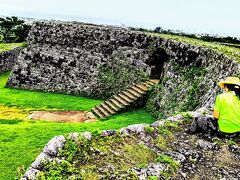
x=220 y=17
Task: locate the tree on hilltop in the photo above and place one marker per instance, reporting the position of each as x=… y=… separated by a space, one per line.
x=13 y=29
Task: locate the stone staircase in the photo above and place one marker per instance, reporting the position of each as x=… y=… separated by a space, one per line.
x=121 y=101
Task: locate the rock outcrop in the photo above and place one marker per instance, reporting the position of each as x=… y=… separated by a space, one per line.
x=8 y=59
x=71 y=58
x=161 y=150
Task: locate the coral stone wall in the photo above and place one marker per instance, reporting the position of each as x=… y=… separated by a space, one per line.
x=69 y=57
x=98 y=61
x=8 y=59
x=190 y=78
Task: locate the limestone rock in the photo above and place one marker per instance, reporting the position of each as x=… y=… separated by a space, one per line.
x=54 y=145
x=74 y=136
x=31 y=174
x=158 y=123
x=8 y=59
x=108 y=133
x=177 y=117
x=136 y=128
x=205 y=144
x=151 y=170
x=42 y=157
x=87 y=135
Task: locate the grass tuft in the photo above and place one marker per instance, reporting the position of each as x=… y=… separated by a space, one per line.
x=10 y=46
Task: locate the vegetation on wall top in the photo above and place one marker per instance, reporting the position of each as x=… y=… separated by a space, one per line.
x=229 y=46
x=231 y=52
x=204 y=37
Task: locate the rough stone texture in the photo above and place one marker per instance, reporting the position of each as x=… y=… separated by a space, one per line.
x=54 y=145
x=48 y=154
x=198 y=157
x=106 y=133
x=205 y=144
x=136 y=128
x=8 y=59
x=31 y=174
x=189 y=79
x=87 y=135
x=151 y=170
x=67 y=58
x=158 y=123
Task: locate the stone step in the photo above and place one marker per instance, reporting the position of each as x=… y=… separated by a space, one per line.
x=155 y=81
x=122 y=101
x=96 y=111
x=138 y=90
x=134 y=93
x=150 y=82
x=130 y=95
x=114 y=107
x=115 y=102
x=125 y=98
x=147 y=85
x=142 y=87
x=103 y=111
x=105 y=106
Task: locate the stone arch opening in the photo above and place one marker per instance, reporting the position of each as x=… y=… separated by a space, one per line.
x=156 y=62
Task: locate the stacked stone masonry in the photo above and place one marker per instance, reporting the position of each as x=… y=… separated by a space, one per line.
x=8 y=59
x=65 y=57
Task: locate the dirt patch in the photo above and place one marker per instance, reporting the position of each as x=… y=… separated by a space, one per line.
x=63 y=116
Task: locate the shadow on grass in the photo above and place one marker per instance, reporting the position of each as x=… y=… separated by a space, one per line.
x=5 y=121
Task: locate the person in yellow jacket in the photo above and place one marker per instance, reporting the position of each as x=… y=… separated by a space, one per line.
x=227 y=106
x=226 y=115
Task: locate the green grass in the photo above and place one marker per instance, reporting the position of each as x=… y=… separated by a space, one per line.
x=9 y=46
x=40 y=100
x=21 y=141
x=231 y=52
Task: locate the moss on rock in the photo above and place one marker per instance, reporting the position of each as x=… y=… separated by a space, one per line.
x=180 y=91
x=122 y=71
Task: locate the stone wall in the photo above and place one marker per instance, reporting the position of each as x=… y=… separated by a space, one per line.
x=69 y=57
x=190 y=78
x=8 y=59
x=98 y=61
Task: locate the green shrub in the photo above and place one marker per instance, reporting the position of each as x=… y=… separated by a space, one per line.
x=171 y=96
x=118 y=74
x=173 y=165
x=149 y=129
x=152 y=178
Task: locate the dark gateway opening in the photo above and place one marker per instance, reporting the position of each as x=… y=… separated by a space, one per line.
x=156 y=62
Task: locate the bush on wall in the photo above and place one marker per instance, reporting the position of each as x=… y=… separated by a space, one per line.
x=119 y=73
x=179 y=91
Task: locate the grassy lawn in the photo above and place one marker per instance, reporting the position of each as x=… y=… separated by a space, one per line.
x=9 y=46
x=21 y=140
x=231 y=52
x=42 y=101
